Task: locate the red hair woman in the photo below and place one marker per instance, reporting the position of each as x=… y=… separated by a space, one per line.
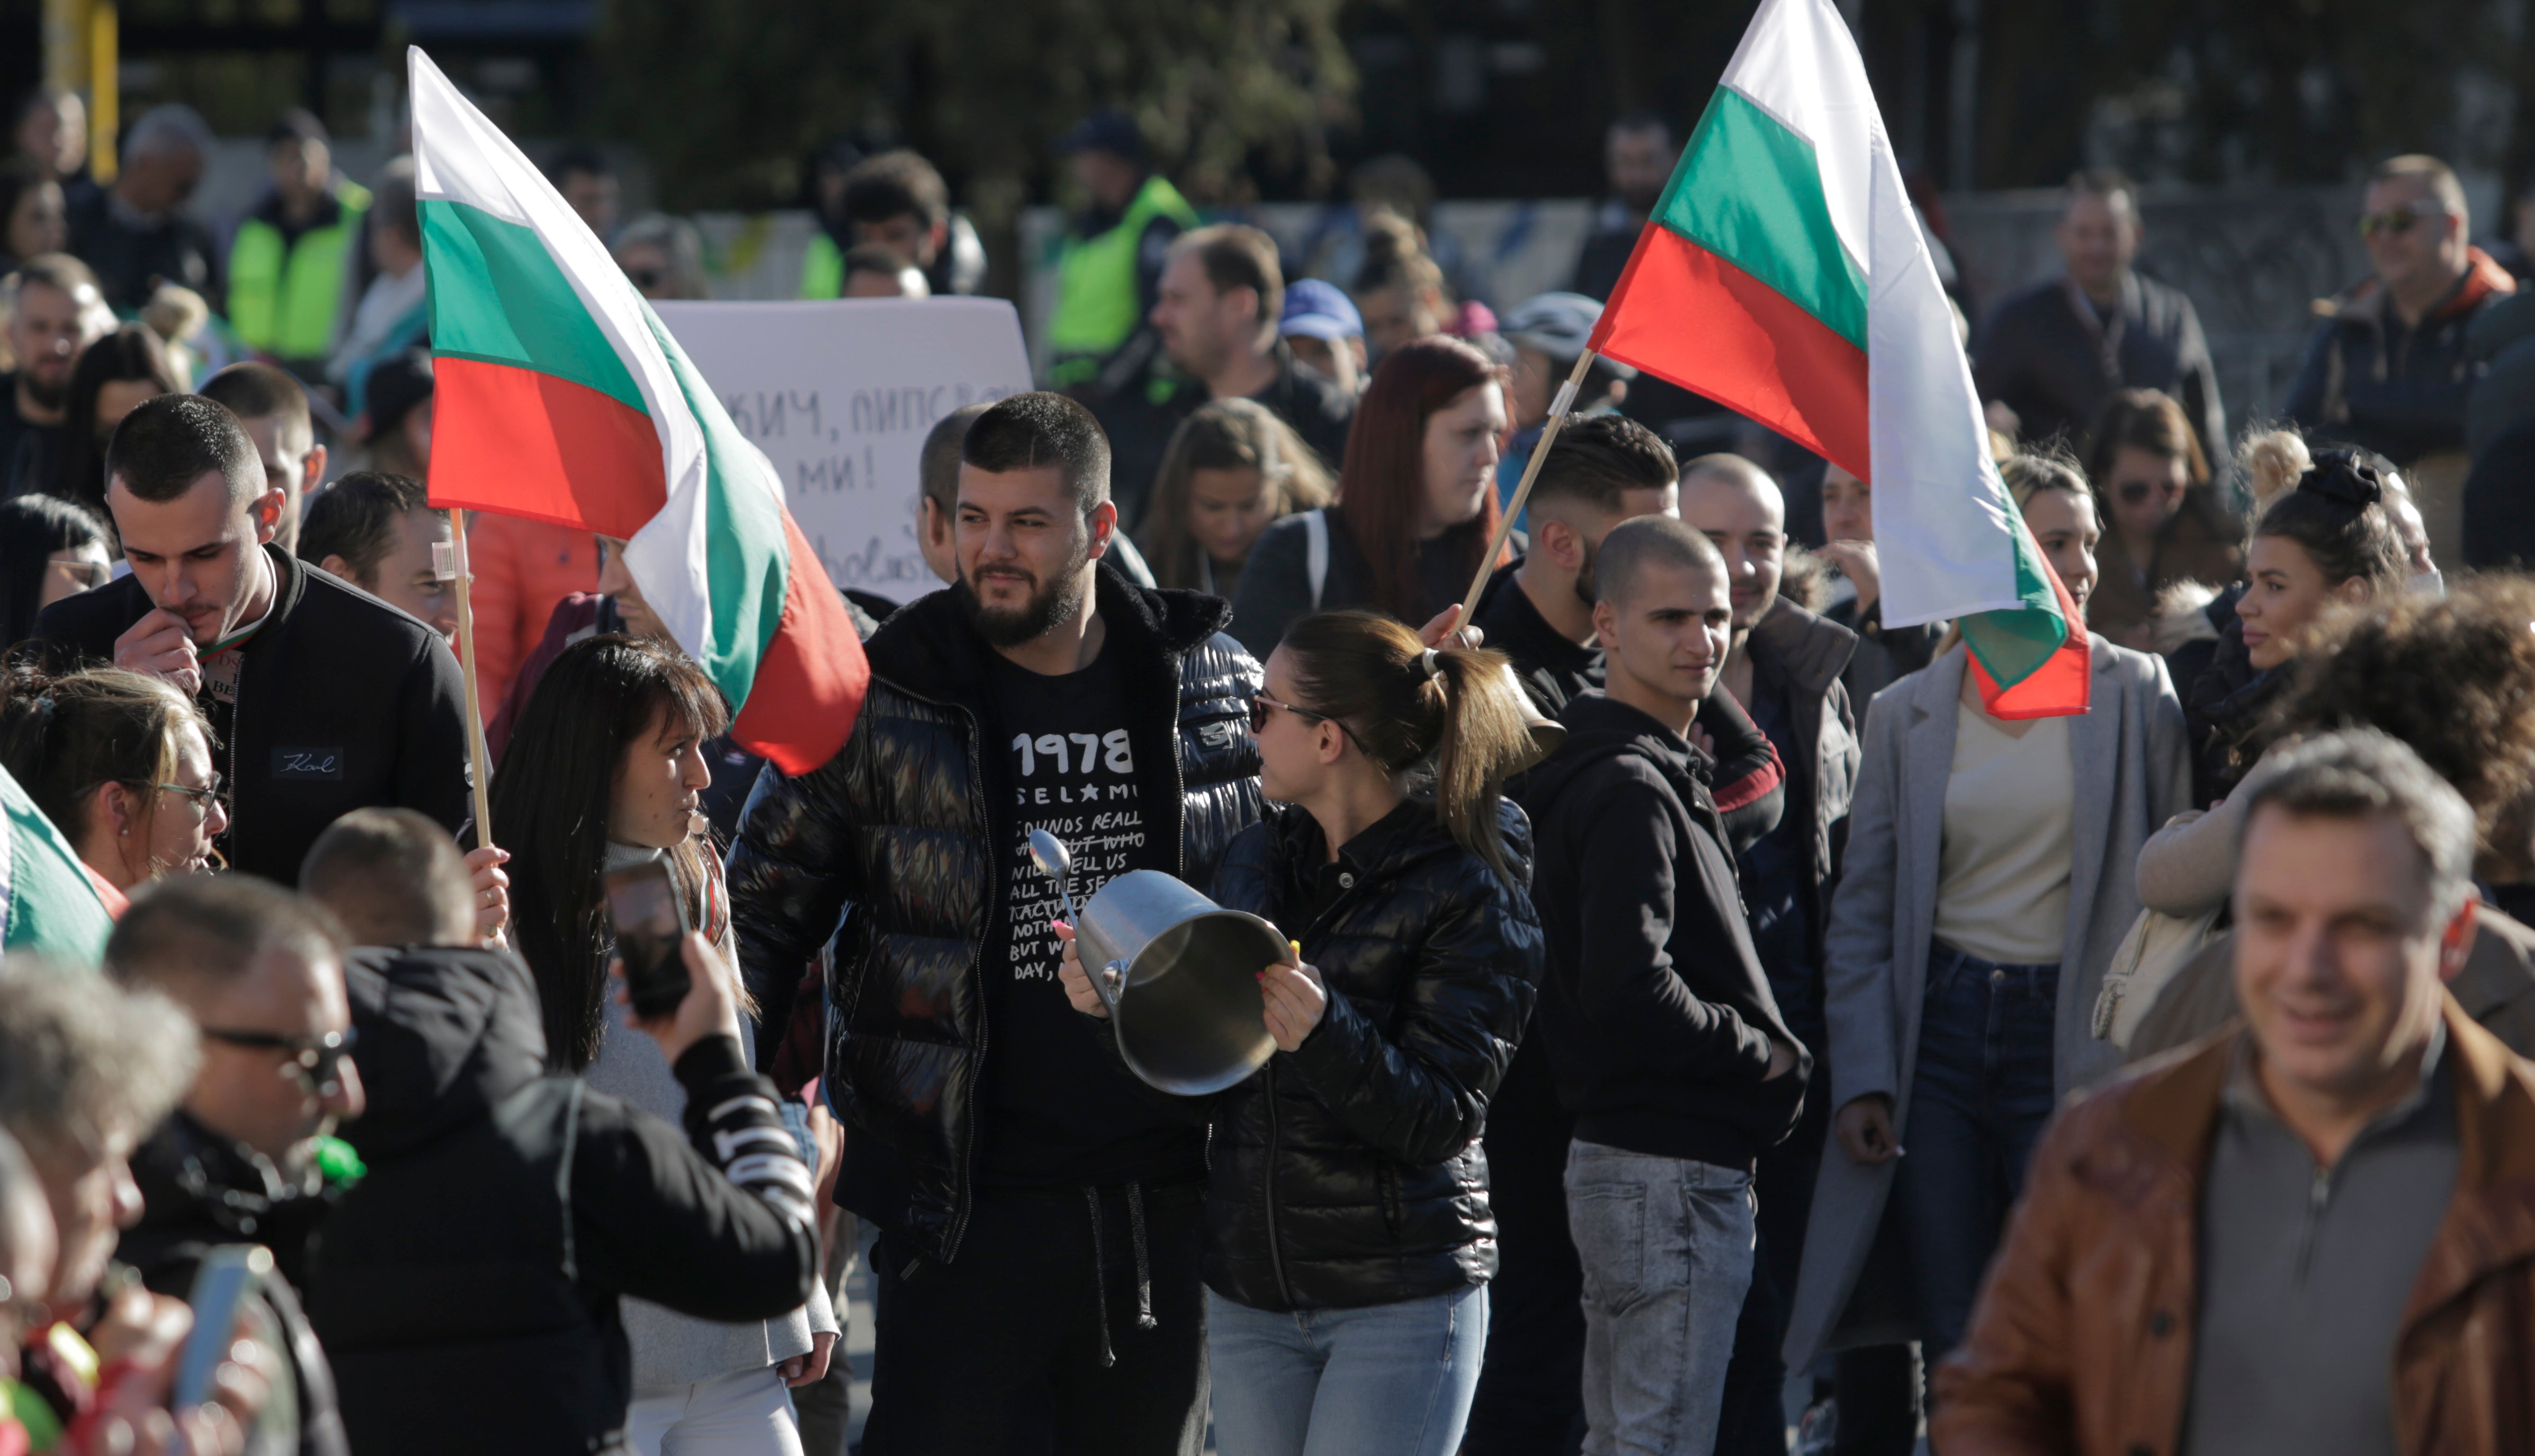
x=1417 y=503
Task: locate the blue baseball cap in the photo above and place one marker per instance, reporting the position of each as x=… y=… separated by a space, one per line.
x=1315 y=309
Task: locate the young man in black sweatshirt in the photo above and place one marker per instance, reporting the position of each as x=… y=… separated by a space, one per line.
x=1662 y=1034
x=1600 y=472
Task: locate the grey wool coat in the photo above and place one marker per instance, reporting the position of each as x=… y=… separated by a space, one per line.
x=2129 y=758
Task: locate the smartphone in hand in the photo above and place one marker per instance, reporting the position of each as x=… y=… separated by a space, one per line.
x=221 y=1281
x=650 y=920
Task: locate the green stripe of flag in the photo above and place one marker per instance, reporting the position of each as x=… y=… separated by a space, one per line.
x=748 y=561
x=2014 y=645
x=498 y=296
x=1750 y=191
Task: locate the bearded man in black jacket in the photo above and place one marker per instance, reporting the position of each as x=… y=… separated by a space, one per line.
x=1039 y=1208
x=1663 y=1036
x=323 y=697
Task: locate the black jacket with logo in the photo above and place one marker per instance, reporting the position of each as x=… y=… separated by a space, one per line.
x=467 y=1288
x=344 y=702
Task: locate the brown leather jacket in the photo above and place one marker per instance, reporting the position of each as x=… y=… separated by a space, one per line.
x=2082 y=1340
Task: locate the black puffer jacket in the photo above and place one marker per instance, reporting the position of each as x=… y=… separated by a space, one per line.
x=894 y=848
x=1348 y=1173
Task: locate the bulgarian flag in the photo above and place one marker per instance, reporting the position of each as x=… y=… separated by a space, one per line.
x=48 y=903
x=558 y=396
x=1783 y=275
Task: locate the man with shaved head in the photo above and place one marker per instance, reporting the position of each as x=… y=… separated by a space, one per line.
x=1785 y=667
x=324 y=698
x=1662 y=1032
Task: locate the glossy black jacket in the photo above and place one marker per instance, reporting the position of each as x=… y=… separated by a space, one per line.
x=1348 y=1172
x=891 y=849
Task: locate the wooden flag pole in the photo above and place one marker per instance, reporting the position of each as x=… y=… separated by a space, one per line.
x=467 y=660
x=1513 y=508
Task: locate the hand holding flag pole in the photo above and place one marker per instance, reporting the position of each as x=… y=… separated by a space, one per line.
x=1547 y=733
x=1522 y=493
x=451 y=567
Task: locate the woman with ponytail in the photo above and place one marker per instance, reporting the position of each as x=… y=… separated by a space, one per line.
x=1348 y=1236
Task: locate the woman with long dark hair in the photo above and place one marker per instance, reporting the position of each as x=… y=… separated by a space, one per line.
x=2329 y=543
x=1417 y=503
x=114 y=376
x=49 y=549
x=1348 y=1242
x=605 y=768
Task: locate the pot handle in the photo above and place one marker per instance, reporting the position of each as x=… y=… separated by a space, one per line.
x=1111 y=982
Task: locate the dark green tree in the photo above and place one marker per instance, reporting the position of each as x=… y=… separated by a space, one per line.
x=727 y=100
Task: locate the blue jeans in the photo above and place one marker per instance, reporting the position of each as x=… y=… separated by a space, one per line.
x=1978 y=1102
x=1394 y=1378
x=1666 y=1245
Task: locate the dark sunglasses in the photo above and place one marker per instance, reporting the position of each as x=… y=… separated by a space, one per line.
x=2137 y=492
x=646 y=277
x=318 y=1060
x=1261 y=705
x=2397 y=220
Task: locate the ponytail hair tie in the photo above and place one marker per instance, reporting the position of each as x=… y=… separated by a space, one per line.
x=2345 y=477
x=1428 y=665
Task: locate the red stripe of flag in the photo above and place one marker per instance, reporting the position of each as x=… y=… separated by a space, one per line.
x=521 y=442
x=1686 y=314
x=813 y=663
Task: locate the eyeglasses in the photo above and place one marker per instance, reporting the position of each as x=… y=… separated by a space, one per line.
x=2137 y=492
x=2397 y=220
x=317 y=1059
x=646 y=277
x=203 y=798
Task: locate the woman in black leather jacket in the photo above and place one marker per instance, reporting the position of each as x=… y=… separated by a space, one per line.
x=1348 y=1236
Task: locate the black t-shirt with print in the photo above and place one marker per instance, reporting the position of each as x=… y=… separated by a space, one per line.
x=1060 y=1107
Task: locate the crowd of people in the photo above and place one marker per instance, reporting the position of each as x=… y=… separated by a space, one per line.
x=1701 y=1003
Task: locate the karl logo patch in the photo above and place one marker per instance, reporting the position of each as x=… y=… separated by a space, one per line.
x=307 y=763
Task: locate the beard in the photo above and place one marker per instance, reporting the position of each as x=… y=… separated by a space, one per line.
x=49 y=393
x=1588 y=586
x=1050 y=602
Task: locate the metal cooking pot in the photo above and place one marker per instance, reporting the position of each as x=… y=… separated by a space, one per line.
x=1180 y=975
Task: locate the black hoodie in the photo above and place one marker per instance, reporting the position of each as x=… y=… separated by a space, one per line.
x=467 y=1288
x=1654 y=1010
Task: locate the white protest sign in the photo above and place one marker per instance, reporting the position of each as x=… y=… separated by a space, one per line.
x=840 y=394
